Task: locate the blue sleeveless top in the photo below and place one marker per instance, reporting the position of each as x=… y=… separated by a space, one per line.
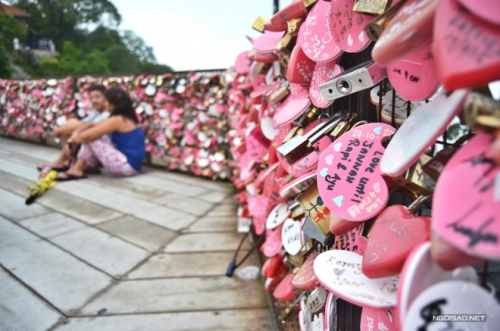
x=132 y=145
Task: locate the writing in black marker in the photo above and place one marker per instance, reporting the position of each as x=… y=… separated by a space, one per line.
x=373 y=164
x=466 y=34
x=332 y=180
x=355 y=168
x=430 y=310
x=475 y=236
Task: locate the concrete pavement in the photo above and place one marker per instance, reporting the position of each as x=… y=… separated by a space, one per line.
x=105 y=253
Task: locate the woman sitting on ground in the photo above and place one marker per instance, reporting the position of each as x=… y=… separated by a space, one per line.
x=117 y=143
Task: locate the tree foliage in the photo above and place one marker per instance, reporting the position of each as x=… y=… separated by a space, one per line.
x=103 y=50
x=10 y=28
x=60 y=20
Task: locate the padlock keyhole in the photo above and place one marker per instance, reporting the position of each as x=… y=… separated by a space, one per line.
x=344 y=86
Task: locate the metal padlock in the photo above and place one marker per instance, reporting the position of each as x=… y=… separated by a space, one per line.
x=284 y=42
x=435 y=166
x=415 y=181
x=481 y=113
x=281 y=93
x=316 y=300
x=286 y=313
x=258 y=24
x=309 y=3
x=374 y=7
x=375 y=28
x=293 y=27
x=343 y=126
x=358 y=78
x=299 y=146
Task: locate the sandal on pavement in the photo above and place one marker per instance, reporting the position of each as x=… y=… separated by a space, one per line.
x=64 y=168
x=67 y=176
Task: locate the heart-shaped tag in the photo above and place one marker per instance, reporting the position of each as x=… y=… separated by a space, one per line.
x=425 y=124
x=272 y=283
x=323 y=72
x=376 y=319
x=290 y=236
x=274 y=267
x=305 y=278
x=273 y=243
x=300 y=68
x=339 y=226
x=257 y=207
x=296 y=9
x=453 y=297
x=415 y=77
x=285 y=290
x=489 y=9
x=257 y=145
x=352 y=187
x=268 y=41
x=293 y=106
x=277 y=216
x=242 y=64
x=351 y=285
x=315 y=36
x=266 y=125
x=409 y=31
x=450 y=257
x=419 y=273
x=348 y=27
x=466 y=203
x=467 y=48
x=394 y=234
x=352 y=240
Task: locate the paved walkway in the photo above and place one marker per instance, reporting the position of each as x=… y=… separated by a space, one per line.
x=144 y=253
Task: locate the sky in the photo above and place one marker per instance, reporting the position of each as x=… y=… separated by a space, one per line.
x=195 y=34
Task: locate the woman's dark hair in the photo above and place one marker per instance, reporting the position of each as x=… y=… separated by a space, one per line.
x=97 y=87
x=122 y=103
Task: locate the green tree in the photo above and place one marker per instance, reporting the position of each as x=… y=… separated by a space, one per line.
x=10 y=28
x=74 y=61
x=121 y=60
x=101 y=51
x=62 y=20
x=5 y=68
x=138 y=46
